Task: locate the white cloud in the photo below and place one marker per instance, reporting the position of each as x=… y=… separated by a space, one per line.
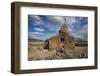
x=59 y=21
x=37 y=19
x=32 y=35
x=36 y=23
x=55 y=20
x=35 y=33
x=70 y=20
x=82 y=34
x=39 y=29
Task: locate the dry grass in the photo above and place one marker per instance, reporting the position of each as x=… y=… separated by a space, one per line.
x=39 y=55
x=36 y=54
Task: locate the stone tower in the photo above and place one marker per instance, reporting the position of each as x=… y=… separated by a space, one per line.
x=63 y=36
x=63 y=32
x=65 y=41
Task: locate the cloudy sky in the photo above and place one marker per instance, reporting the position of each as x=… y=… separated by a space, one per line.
x=43 y=27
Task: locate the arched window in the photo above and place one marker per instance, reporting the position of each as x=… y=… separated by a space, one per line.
x=62 y=39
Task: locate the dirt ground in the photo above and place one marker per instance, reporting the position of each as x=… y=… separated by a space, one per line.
x=44 y=54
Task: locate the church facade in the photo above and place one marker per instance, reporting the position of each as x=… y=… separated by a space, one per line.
x=62 y=41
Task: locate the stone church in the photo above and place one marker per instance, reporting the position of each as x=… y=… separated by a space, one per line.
x=62 y=41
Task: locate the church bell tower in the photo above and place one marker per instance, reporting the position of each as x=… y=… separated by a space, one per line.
x=63 y=32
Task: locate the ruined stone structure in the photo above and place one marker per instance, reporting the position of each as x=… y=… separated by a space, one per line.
x=61 y=46
x=61 y=41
